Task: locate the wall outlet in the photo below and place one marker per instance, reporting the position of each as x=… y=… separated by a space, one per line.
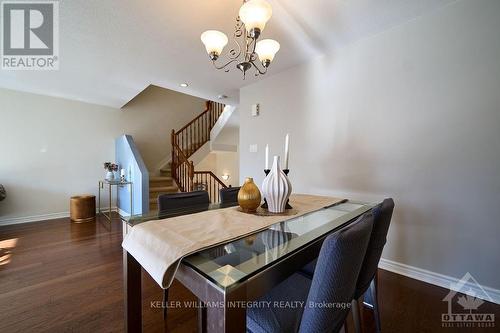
x=253 y=148
x=255 y=110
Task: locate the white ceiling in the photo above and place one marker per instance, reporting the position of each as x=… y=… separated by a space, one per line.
x=110 y=50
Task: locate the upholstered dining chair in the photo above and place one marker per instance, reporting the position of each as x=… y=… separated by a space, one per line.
x=367 y=280
x=172 y=203
x=229 y=195
x=3 y=194
x=333 y=282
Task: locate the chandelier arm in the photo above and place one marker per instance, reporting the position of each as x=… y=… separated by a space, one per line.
x=232 y=54
x=239 y=28
x=246 y=49
x=248 y=45
x=251 y=55
x=224 y=66
x=258 y=69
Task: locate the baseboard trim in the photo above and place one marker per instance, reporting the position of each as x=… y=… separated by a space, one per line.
x=38 y=218
x=440 y=280
x=34 y=218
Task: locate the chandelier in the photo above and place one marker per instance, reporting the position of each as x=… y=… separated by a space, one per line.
x=250 y=23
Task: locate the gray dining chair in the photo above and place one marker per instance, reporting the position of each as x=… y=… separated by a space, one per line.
x=3 y=193
x=367 y=280
x=173 y=204
x=229 y=195
x=333 y=282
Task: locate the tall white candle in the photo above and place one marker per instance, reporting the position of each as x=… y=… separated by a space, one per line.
x=267 y=158
x=287 y=142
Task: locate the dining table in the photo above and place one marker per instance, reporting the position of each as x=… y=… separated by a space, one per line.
x=230 y=277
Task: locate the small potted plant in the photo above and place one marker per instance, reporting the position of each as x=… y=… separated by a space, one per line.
x=110 y=168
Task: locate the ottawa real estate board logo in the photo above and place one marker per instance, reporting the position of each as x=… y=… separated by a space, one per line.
x=464 y=305
x=30 y=35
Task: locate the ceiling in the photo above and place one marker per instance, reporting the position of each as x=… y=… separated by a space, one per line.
x=110 y=50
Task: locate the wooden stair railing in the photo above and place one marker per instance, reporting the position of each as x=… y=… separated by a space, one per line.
x=182 y=169
x=185 y=142
x=197 y=132
x=208 y=181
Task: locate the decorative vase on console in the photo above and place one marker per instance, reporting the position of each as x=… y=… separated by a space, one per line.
x=110 y=168
x=110 y=176
x=276 y=188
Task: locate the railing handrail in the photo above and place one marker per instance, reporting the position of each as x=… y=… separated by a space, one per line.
x=213 y=176
x=180 y=152
x=207 y=109
x=209 y=182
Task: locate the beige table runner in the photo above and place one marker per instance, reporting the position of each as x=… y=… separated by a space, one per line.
x=160 y=245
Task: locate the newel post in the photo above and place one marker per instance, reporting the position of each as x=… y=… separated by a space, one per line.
x=172 y=161
x=191 y=175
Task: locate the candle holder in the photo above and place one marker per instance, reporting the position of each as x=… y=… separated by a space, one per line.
x=286 y=171
x=264 y=205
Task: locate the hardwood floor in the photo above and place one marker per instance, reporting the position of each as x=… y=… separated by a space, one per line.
x=56 y=276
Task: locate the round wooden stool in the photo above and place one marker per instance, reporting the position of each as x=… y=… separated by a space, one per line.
x=82 y=208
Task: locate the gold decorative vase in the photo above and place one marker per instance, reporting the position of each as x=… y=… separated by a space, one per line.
x=249 y=196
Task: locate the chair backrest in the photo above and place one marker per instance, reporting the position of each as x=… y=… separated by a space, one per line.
x=173 y=202
x=3 y=194
x=229 y=195
x=382 y=215
x=334 y=279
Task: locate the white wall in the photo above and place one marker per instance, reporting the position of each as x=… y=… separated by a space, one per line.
x=412 y=113
x=220 y=163
x=225 y=136
x=229 y=135
x=52 y=148
x=228 y=163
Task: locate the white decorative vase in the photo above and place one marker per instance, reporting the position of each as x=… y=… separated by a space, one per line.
x=110 y=176
x=276 y=188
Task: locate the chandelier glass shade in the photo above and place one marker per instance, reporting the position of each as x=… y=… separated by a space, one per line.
x=247 y=51
x=267 y=49
x=214 y=41
x=255 y=14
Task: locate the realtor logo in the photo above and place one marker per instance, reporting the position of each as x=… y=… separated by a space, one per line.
x=30 y=35
x=463 y=310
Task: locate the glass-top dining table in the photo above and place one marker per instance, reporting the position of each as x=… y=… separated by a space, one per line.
x=227 y=277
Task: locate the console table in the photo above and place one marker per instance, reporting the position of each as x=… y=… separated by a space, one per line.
x=109 y=185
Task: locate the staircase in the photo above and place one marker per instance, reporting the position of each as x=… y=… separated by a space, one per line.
x=185 y=142
x=160 y=185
